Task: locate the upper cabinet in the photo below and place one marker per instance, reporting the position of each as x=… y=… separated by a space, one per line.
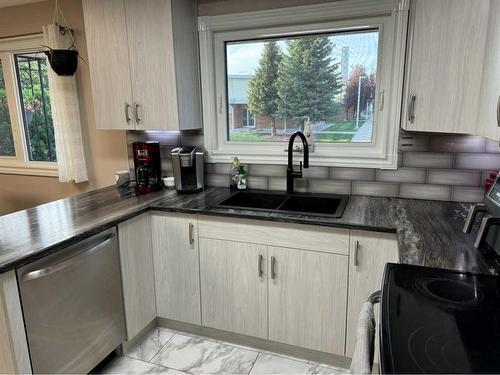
x=446 y=51
x=143 y=60
x=488 y=119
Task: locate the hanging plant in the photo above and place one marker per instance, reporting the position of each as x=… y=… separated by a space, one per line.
x=63 y=61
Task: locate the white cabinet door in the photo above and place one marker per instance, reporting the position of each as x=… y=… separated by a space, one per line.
x=136 y=258
x=108 y=56
x=446 y=52
x=489 y=102
x=234 y=286
x=307 y=298
x=369 y=253
x=152 y=67
x=176 y=264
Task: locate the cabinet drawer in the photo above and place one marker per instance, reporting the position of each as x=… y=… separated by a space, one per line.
x=307 y=237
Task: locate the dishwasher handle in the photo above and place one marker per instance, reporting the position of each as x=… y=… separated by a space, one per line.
x=37 y=274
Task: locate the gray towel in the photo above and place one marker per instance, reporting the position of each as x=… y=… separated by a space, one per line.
x=362 y=359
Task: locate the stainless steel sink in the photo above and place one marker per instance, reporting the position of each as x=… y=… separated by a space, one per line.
x=303 y=204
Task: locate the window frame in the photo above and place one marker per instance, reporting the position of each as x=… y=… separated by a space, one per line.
x=388 y=16
x=20 y=164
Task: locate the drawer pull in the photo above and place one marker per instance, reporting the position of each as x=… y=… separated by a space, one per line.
x=356 y=251
x=191 y=229
x=273 y=267
x=259 y=265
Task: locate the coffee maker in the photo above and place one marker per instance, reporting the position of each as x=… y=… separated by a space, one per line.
x=147 y=165
x=188 y=164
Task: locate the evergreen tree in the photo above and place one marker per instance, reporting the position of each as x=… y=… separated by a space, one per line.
x=309 y=79
x=262 y=88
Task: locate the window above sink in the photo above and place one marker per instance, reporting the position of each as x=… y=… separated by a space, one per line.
x=331 y=68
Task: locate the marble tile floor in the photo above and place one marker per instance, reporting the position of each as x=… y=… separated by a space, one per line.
x=164 y=351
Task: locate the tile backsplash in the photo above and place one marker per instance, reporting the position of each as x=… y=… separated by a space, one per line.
x=431 y=166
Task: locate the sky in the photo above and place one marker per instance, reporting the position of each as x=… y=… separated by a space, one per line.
x=243 y=57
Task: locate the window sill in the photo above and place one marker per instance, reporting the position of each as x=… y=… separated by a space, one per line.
x=32 y=169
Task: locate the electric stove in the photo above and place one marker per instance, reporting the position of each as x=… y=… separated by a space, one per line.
x=439 y=321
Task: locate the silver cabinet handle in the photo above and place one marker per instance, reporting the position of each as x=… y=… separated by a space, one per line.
x=137 y=117
x=273 y=267
x=356 y=250
x=127 y=113
x=191 y=229
x=259 y=265
x=68 y=262
x=411 y=108
x=498 y=111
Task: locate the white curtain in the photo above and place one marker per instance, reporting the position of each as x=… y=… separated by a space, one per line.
x=65 y=114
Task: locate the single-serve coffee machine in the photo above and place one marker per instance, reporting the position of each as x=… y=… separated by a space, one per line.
x=147 y=165
x=188 y=164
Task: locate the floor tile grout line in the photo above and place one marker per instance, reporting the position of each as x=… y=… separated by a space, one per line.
x=170 y=339
x=253 y=364
x=154 y=364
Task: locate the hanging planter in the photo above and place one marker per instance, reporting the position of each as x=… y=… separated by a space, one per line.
x=63 y=61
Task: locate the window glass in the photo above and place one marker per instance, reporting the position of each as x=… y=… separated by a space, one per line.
x=6 y=140
x=32 y=77
x=275 y=86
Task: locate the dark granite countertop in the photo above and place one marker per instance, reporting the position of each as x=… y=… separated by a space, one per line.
x=429 y=233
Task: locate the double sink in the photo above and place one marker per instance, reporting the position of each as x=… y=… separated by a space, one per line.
x=302 y=204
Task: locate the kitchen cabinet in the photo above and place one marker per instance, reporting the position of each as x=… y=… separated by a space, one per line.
x=143 y=62
x=234 y=286
x=488 y=122
x=136 y=259
x=444 y=66
x=307 y=298
x=369 y=252
x=176 y=263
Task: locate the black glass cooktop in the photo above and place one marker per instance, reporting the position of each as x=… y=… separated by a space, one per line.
x=439 y=321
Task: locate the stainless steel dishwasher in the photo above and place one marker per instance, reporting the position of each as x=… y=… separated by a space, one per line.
x=73 y=305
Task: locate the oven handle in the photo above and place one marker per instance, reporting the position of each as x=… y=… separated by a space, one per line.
x=362 y=358
x=33 y=275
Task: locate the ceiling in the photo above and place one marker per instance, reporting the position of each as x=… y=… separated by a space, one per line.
x=10 y=3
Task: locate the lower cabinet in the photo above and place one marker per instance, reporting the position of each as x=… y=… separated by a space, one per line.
x=234 y=286
x=212 y=272
x=176 y=262
x=136 y=259
x=308 y=298
x=369 y=252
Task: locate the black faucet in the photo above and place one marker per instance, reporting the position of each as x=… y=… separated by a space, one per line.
x=290 y=173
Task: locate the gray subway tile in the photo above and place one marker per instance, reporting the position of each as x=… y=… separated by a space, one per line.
x=425 y=191
x=330 y=186
x=267 y=170
x=315 y=172
x=221 y=180
x=255 y=182
x=492 y=146
x=416 y=175
x=453 y=177
x=467 y=194
x=277 y=183
x=218 y=168
x=477 y=161
x=484 y=176
x=359 y=174
x=192 y=139
x=427 y=159
x=380 y=189
x=457 y=143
